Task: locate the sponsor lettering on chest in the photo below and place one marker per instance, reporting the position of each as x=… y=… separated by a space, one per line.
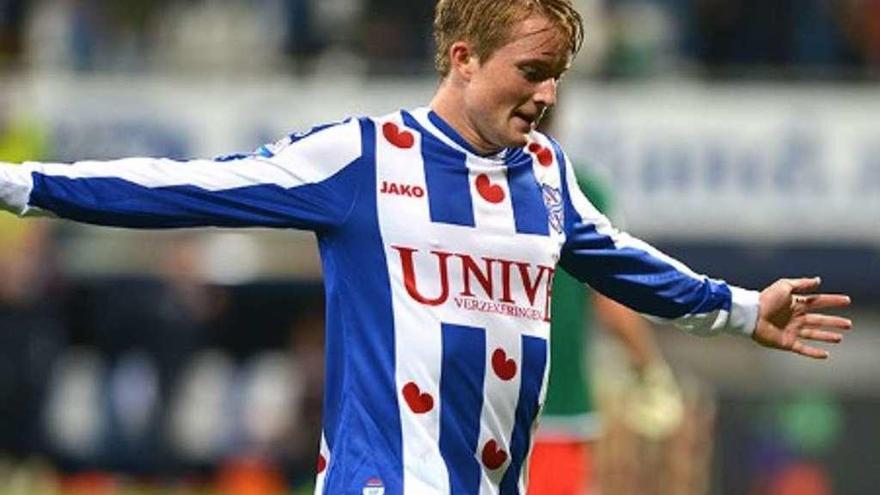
x=517 y=289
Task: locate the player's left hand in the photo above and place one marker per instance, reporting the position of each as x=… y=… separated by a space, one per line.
x=786 y=319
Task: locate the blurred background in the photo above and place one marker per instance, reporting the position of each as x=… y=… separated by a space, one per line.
x=742 y=136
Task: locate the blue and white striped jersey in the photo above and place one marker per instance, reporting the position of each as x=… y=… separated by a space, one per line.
x=438 y=265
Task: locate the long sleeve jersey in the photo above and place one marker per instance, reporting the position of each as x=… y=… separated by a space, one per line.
x=438 y=265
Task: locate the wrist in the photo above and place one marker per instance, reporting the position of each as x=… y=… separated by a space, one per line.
x=744 y=308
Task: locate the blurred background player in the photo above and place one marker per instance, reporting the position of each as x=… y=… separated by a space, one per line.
x=563 y=459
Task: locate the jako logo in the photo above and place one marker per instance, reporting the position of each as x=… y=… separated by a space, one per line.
x=401 y=190
x=516 y=294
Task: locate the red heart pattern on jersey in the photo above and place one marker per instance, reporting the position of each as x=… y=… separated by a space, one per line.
x=402 y=139
x=493 y=457
x=504 y=368
x=417 y=401
x=322 y=463
x=492 y=193
x=544 y=155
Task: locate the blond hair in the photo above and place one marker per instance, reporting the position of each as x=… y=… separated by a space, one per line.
x=487 y=24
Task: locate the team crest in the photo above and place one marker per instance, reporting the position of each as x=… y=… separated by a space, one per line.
x=555 y=210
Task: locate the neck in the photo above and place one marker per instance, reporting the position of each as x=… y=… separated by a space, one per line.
x=449 y=104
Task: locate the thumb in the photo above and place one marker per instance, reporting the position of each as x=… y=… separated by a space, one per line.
x=804 y=285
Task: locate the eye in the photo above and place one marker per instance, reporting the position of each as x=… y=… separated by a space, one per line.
x=534 y=74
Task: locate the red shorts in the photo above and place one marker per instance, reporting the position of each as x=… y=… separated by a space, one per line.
x=560 y=468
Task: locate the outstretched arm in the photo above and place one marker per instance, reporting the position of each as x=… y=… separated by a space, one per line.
x=304 y=182
x=641 y=277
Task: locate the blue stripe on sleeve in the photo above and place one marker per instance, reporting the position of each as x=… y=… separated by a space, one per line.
x=461 y=403
x=534 y=363
x=630 y=275
x=636 y=278
x=119 y=203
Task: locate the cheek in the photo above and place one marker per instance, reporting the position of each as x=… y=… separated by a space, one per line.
x=512 y=96
x=501 y=103
x=486 y=105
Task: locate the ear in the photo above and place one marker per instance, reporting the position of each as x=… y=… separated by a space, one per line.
x=463 y=59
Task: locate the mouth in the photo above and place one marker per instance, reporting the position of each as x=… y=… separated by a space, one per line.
x=530 y=120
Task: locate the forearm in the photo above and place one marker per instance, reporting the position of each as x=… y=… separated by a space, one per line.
x=637 y=275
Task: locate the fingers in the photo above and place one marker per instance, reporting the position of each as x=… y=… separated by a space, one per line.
x=809 y=351
x=803 y=285
x=800 y=291
x=820 y=335
x=816 y=321
x=824 y=328
x=823 y=301
x=788 y=342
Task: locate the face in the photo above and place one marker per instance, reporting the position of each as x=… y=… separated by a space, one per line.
x=507 y=94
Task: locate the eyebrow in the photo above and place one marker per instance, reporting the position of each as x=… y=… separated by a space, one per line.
x=548 y=64
x=535 y=60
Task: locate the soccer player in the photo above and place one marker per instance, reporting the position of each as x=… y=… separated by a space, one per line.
x=439 y=230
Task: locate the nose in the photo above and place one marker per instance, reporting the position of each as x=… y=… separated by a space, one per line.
x=546 y=92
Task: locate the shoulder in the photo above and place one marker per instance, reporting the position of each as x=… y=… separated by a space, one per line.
x=402 y=117
x=589 y=183
x=335 y=141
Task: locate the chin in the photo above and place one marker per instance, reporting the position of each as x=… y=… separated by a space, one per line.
x=517 y=140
